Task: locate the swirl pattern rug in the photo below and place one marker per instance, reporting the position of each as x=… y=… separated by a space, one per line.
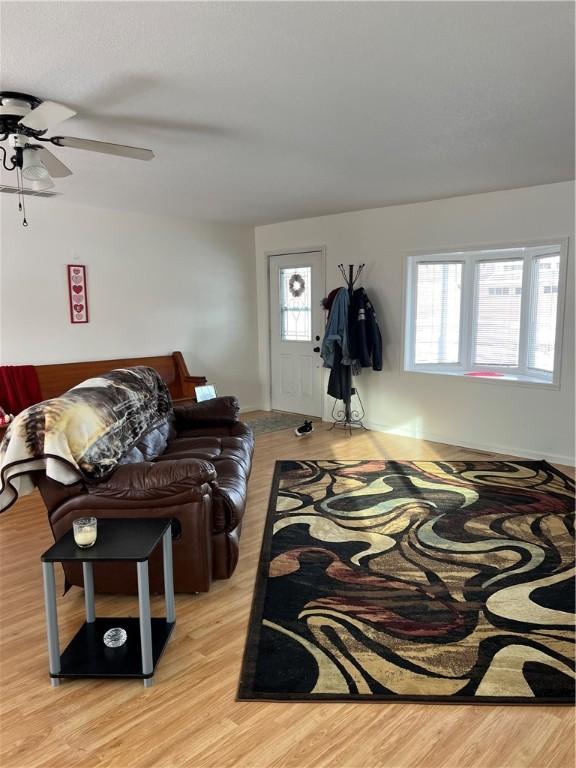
x=430 y=581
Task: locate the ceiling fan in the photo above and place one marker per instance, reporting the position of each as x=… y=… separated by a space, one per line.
x=26 y=119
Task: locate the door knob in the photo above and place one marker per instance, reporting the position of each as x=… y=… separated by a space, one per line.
x=317 y=338
x=316 y=349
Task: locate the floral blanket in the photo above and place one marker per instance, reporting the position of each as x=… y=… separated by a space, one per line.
x=85 y=433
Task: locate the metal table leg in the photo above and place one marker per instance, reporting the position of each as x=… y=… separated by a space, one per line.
x=145 y=622
x=51 y=621
x=168 y=576
x=89 y=592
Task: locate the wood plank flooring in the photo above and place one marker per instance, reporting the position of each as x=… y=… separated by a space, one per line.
x=190 y=717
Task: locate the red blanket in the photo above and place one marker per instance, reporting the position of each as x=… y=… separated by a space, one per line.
x=19 y=387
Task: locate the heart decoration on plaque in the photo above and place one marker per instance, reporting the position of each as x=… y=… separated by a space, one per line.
x=77 y=291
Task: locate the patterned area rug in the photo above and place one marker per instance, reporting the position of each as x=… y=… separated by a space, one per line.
x=431 y=581
x=274 y=421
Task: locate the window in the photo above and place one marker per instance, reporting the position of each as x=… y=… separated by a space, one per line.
x=544 y=312
x=491 y=313
x=497 y=316
x=438 y=313
x=295 y=308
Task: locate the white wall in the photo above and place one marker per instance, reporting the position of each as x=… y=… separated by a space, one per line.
x=517 y=419
x=155 y=285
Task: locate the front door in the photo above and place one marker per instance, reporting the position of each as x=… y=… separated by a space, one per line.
x=296 y=328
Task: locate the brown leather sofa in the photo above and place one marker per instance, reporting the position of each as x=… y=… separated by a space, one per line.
x=200 y=482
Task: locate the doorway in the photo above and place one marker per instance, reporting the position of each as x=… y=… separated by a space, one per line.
x=297 y=287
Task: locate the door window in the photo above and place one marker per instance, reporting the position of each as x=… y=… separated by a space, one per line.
x=295 y=304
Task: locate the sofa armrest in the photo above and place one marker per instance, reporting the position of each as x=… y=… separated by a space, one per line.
x=220 y=410
x=154 y=480
x=144 y=488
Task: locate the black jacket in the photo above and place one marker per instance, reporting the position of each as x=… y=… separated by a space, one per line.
x=364 y=338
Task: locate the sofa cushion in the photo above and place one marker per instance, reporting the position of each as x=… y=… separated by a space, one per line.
x=231 y=458
x=219 y=410
x=149 y=445
x=229 y=430
x=210 y=448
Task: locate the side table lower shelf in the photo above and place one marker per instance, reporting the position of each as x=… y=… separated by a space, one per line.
x=87 y=656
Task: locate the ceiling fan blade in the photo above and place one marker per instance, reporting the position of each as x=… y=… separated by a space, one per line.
x=46 y=116
x=55 y=167
x=105 y=147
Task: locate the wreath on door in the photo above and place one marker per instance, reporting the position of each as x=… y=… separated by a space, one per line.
x=296 y=285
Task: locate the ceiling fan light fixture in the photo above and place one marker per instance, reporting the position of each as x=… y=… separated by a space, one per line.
x=32 y=167
x=41 y=185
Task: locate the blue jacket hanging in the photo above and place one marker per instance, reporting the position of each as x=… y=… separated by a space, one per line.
x=336 y=333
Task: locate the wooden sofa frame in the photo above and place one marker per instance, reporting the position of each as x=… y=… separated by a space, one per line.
x=59 y=378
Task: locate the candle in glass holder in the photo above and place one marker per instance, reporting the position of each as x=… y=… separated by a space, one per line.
x=85 y=532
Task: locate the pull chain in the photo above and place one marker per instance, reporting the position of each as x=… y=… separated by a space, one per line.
x=21 y=202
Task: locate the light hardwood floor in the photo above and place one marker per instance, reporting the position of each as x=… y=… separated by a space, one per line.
x=190 y=717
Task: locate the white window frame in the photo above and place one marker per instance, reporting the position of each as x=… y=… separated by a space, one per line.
x=469 y=258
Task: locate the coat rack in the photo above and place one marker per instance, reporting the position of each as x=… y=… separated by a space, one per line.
x=345 y=416
x=352 y=277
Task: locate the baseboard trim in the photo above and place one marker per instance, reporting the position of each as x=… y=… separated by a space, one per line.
x=246 y=408
x=479 y=446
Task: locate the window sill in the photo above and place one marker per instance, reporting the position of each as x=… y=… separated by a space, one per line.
x=492 y=378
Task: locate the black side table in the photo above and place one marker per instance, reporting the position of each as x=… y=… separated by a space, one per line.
x=87 y=656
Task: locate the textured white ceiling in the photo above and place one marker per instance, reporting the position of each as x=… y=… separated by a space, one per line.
x=268 y=111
